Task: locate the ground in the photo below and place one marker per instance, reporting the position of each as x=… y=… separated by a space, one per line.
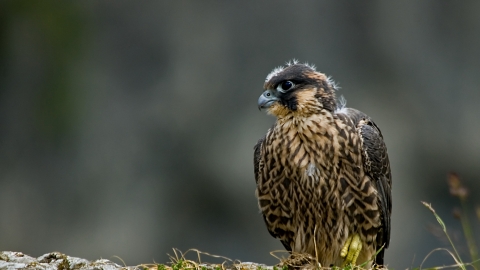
x=57 y=261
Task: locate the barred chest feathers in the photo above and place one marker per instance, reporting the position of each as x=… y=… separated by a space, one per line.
x=314 y=153
x=315 y=145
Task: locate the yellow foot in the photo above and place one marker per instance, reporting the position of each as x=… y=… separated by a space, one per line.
x=351 y=250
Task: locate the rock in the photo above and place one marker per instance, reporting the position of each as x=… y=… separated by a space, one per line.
x=10 y=260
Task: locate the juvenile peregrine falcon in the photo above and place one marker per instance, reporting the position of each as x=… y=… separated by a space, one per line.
x=322 y=171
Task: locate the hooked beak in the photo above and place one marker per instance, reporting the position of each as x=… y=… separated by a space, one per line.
x=267 y=99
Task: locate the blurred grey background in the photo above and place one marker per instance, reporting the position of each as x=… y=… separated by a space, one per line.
x=127 y=127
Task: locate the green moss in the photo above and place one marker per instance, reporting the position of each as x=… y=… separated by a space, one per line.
x=64 y=265
x=178 y=265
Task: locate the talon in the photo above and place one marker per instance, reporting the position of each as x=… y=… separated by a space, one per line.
x=351 y=250
x=344 y=251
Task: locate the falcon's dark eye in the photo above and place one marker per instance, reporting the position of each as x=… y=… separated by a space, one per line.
x=285 y=85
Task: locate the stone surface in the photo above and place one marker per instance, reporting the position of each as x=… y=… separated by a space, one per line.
x=10 y=260
x=55 y=261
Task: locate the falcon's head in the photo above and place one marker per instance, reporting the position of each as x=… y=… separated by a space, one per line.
x=297 y=89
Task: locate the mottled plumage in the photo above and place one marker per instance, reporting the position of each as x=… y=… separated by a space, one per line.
x=322 y=170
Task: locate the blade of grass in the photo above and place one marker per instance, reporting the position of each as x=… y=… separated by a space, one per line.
x=456 y=256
